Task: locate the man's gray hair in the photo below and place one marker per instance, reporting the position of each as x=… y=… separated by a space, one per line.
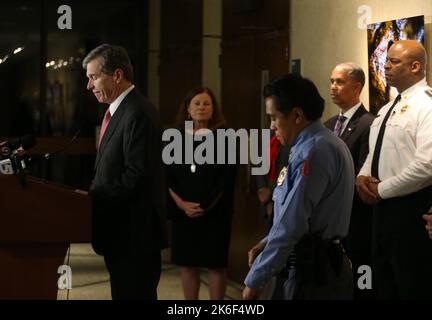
x=112 y=58
x=354 y=71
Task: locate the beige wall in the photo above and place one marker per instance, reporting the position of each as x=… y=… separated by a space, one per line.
x=325 y=33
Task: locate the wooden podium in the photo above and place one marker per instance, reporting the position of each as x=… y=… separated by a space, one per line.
x=37 y=224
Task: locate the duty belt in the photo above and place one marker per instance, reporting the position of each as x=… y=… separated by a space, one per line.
x=292 y=258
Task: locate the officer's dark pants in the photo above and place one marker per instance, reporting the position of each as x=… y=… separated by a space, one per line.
x=402 y=251
x=334 y=284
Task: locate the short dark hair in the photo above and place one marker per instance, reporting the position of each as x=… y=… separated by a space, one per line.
x=217 y=120
x=112 y=58
x=354 y=72
x=292 y=90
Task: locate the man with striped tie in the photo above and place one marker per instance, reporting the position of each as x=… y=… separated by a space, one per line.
x=352 y=126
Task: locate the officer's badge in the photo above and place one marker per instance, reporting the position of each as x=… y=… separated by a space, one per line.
x=282 y=176
x=404 y=108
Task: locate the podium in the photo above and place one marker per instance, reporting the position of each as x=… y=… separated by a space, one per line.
x=37 y=224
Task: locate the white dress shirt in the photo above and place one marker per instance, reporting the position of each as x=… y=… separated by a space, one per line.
x=116 y=103
x=405 y=164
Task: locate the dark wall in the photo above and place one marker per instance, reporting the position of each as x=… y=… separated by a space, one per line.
x=255 y=39
x=53 y=102
x=181 y=53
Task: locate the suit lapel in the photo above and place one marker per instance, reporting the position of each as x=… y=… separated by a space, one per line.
x=115 y=120
x=332 y=123
x=352 y=124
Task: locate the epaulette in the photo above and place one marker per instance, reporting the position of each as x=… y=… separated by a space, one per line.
x=429 y=92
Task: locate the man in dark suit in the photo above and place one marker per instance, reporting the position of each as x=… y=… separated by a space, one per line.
x=128 y=217
x=352 y=126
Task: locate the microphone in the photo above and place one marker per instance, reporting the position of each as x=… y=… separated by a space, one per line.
x=49 y=155
x=26 y=142
x=20 y=168
x=14 y=166
x=6 y=167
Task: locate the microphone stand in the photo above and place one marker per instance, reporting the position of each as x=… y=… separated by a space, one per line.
x=19 y=170
x=48 y=156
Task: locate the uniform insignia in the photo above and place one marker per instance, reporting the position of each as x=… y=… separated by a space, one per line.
x=282 y=176
x=404 y=108
x=429 y=92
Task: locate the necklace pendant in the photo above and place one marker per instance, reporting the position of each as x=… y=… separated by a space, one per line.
x=193 y=168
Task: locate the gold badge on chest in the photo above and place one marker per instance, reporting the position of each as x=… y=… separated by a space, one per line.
x=282 y=176
x=404 y=108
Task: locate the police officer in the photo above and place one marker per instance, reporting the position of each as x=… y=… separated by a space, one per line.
x=397 y=178
x=312 y=201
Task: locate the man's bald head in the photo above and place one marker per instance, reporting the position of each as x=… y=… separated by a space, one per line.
x=414 y=50
x=406 y=64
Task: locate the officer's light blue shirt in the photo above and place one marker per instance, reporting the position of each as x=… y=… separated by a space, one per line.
x=319 y=185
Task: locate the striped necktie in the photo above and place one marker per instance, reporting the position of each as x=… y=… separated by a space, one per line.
x=340 y=120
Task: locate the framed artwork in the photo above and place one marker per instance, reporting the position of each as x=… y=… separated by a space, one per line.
x=381 y=36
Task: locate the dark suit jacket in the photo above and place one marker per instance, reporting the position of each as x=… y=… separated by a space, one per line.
x=127 y=191
x=356 y=137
